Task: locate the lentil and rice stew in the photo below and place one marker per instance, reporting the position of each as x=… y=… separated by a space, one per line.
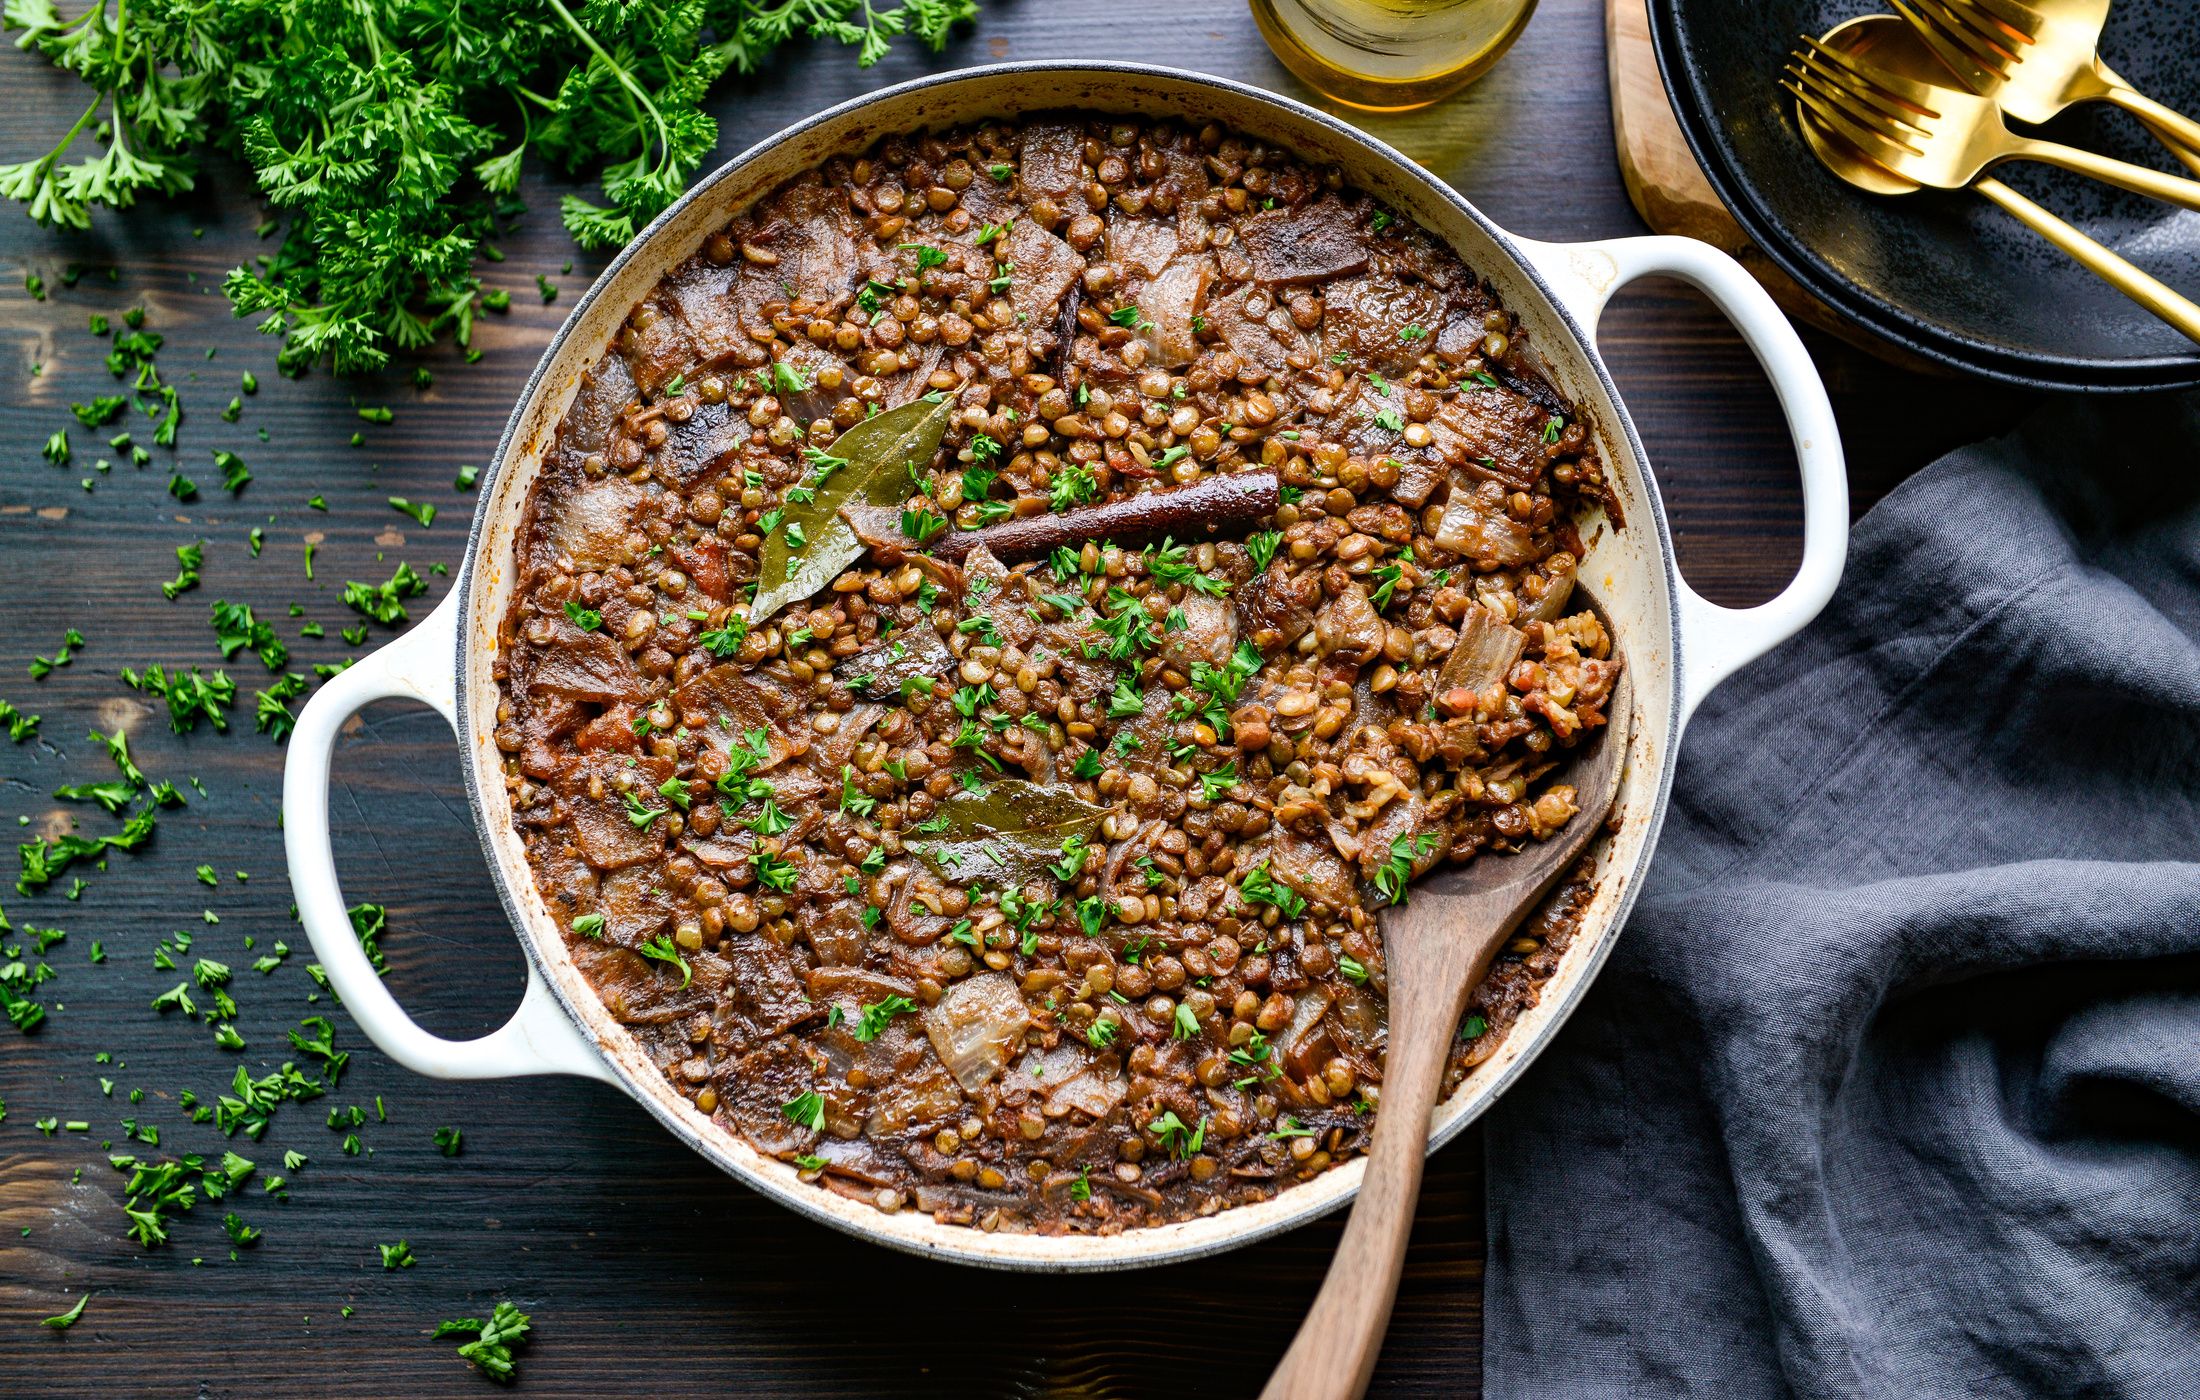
x=995 y=627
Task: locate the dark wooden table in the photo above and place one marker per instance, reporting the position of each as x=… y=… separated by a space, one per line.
x=648 y=1272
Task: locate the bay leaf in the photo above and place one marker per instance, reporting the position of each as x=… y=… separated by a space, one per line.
x=878 y=451
x=1007 y=834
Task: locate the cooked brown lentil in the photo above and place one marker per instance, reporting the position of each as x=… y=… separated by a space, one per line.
x=1182 y=1008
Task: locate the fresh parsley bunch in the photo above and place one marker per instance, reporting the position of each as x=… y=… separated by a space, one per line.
x=392 y=132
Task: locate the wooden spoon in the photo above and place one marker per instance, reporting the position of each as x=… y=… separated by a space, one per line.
x=1437 y=946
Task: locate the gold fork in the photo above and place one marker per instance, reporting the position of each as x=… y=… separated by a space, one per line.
x=2035 y=57
x=1943 y=136
x=1890 y=42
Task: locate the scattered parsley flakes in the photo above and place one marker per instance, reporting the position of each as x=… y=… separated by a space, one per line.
x=491 y=1349
x=62 y=1322
x=384 y=602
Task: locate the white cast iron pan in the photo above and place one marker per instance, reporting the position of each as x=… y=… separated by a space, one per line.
x=1678 y=646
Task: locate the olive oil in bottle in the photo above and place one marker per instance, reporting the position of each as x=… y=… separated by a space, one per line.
x=1390 y=55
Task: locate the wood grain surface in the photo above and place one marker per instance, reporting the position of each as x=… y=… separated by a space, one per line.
x=648 y=1273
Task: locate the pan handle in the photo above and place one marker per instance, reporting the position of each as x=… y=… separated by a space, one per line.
x=1716 y=642
x=539 y=1038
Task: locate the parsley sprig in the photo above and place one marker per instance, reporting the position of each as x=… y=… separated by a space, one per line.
x=391 y=133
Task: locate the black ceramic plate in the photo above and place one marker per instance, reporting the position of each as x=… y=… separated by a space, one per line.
x=1946 y=274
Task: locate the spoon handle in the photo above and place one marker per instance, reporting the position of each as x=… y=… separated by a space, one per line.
x=1431 y=971
x=2173 y=128
x=2138 y=179
x=2179 y=311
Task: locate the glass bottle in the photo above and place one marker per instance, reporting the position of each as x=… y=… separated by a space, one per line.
x=1390 y=55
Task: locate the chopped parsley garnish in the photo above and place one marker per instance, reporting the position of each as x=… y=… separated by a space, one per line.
x=1387 y=578
x=638 y=813
x=1215 y=786
x=384 y=602
x=984 y=626
x=1181 y=1141
x=772 y=872
x=878 y=1015
x=1214 y=689
x=1397 y=871
x=1260 y=887
x=805 y=1110
x=663 y=949
x=675 y=790
x=20 y=725
x=491 y=1348
x=1171 y=563
x=587 y=619
x=589 y=925
x=922 y=525
x=1185 y=1026
x=1093 y=914
x=823 y=463
x=1073 y=485
x=927 y=255
x=769 y=820
x=725 y=641
x=422 y=511
x=852 y=798
x=1129 y=629
x=235 y=628
x=189 y=557
x=1262 y=547
x=1072 y=863
x=1126 y=699
x=1128 y=317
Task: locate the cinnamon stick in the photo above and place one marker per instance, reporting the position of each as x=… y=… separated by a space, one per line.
x=1203 y=511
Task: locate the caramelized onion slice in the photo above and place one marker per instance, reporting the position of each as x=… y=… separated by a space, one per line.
x=975 y=1026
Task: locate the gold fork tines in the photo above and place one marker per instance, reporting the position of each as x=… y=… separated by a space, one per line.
x=1874 y=125
x=1858 y=93
x=1980 y=51
x=1940 y=135
x=1872 y=131
x=1903 y=97
x=2033 y=58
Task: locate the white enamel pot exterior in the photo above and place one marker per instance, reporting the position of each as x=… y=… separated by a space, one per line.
x=1677 y=645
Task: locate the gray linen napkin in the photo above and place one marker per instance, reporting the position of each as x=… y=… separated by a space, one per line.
x=1892 y=1087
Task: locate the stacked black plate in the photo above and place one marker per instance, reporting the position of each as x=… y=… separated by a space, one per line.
x=1944 y=273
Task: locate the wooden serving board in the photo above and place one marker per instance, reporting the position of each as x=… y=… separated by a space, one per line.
x=1670 y=191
